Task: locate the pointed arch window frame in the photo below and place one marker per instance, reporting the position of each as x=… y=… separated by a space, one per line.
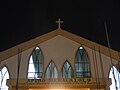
x=83 y=73
x=117 y=78
x=3 y=80
x=39 y=63
x=66 y=73
x=52 y=72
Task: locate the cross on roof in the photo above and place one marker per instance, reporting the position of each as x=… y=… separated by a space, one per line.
x=59 y=22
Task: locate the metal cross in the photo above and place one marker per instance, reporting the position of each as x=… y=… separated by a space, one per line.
x=59 y=22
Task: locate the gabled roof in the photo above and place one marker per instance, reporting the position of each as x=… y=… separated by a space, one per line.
x=34 y=42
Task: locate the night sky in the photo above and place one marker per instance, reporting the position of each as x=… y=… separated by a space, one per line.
x=22 y=20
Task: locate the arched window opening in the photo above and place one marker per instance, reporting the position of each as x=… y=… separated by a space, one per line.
x=35 y=68
x=114 y=75
x=82 y=65
x=51 y=71
x=67 y=71
x=4 y=75
x=118 y=66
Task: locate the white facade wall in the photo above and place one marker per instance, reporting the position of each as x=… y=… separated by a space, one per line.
x=59 y=49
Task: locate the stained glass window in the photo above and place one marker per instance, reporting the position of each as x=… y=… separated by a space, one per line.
x=35 y=69
x=82 y=65
x=67 y=71
x=51 y=71
x=115 y=78
x=4 y=75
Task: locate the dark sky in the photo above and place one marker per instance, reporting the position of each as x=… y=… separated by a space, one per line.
x=22 y=20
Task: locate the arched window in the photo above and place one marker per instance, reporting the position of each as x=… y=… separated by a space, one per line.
x=82 y=65
x=115 y=78
x=4 y=75
x=67 y=71
x=35 y=69
x=51 y=71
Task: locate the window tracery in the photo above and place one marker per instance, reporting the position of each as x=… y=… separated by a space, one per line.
x=82 y=65
x=35 y=69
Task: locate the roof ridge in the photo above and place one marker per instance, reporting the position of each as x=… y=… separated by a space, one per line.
x=34 y=42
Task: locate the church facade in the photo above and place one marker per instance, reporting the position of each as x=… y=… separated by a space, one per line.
x=58 y=60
